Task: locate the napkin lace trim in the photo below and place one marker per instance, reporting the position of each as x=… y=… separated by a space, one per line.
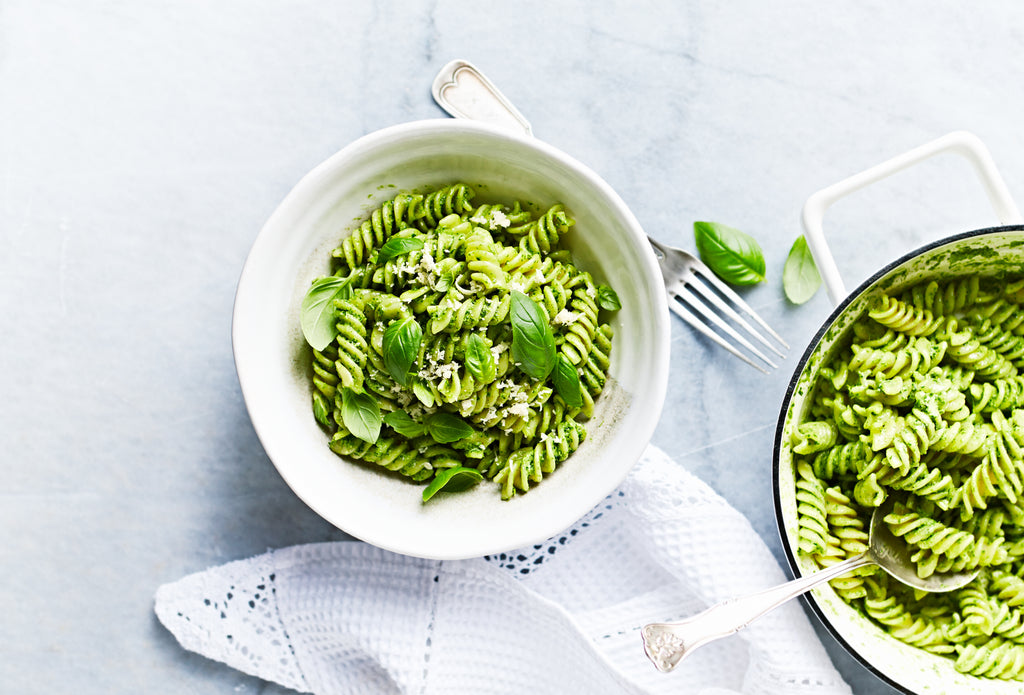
x=218 y=623
x=524 y=561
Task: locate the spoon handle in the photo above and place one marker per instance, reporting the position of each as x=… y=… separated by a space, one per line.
x=666 y=644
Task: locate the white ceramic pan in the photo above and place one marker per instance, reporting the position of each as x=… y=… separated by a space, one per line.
x=977 y=252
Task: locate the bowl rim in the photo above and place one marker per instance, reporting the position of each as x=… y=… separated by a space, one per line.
x=570 y=510
x=791 y=554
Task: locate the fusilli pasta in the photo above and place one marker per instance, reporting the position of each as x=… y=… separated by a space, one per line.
x=923 y=403
x=452 y=268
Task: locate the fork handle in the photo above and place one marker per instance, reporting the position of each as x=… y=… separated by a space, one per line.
x=963 y=143
x=464 y=92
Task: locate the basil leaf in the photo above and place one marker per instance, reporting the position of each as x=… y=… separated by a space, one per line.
x=401 y=344
x=733 y=255
x=361 y=415
x=533 y=344
x=423 y=393
x=321 y=409
x=800 y=277
x=567 y=382
x=398 y=246
x=446 y=428
x=452 y=480
x=445 y=281
x=317 y=311
x=607 y=298
x=479 y=360
x=401 y=422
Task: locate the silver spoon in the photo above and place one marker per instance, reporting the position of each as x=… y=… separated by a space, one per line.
x=666 y=644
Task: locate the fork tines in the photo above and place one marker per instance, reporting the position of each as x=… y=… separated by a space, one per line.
x=699 y=298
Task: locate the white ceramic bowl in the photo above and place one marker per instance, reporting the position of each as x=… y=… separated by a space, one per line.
x=273 y=360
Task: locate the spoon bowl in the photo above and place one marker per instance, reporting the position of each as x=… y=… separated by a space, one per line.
x=667 y=644
x=892 y=554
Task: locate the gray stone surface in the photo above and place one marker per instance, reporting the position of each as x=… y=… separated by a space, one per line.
x=143 y=145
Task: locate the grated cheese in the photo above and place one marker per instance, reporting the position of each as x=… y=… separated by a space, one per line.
x=566 y=317
x=499 y=219
x=520 y=409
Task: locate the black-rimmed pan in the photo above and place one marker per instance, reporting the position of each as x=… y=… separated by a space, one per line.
x=992 y=251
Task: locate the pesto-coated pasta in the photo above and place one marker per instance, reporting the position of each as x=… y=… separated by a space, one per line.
x=924 y=404
x=438 y=275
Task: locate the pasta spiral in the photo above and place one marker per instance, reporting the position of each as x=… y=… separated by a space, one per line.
x=966 y=349
x=919 y=355
x=811 y=507
x=452 y=315
x=414 y=458
x=541 y=235
x=1003 y=660
x=1001 y=394
x=392 y=216
x=904 y=317
x=948 y=298
x=1007 y=315
x=927 y=533
x=448 y=200
x=894 y=615
x=528 y=466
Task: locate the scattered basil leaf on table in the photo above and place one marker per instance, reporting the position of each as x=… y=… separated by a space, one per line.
x=800 y=277
x=401 y=345
x=607 y=298
x=398 y=246
x=316 y=314
x=479 y=359
x=567 y=382
x=361 y=415
x=401 y=422
x=533 y=344
x=452 y=480
x=734 y=256
x=446 y=428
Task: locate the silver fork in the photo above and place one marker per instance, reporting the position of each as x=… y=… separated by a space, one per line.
x=692 y=287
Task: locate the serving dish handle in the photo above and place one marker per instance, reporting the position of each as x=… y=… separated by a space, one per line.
x=962 y=143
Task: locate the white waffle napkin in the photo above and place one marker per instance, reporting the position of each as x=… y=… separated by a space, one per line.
x=560 y=617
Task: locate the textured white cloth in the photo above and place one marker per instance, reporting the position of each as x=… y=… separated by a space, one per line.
x=560 y=617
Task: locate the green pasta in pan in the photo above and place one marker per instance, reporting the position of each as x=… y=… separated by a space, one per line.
x=925 y=404
x=456 y=341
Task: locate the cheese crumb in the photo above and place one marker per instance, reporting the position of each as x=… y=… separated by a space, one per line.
x=518 y=410
x=446 y=371
x=499 y=219
x=427 y=262
x=566 y=317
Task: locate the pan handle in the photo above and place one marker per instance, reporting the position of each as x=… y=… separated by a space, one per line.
x=961 y=142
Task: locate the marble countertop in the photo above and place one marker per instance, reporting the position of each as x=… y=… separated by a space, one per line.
x=143 y=145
